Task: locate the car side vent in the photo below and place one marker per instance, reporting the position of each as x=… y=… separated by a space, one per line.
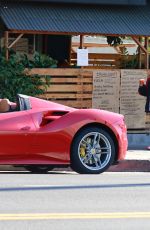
x=52 y=116
x=59 y=113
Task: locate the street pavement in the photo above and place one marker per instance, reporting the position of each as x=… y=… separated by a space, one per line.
x=67 y=200
x=117 y=199
x=136 y=161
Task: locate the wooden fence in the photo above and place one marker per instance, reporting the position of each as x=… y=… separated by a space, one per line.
x=77 y=88
x=71 y=87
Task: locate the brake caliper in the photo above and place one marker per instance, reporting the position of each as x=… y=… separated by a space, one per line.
x=82 y=151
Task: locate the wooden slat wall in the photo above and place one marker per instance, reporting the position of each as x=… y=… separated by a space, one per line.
x=71 y=87
x=101 y=61
x=21 y=46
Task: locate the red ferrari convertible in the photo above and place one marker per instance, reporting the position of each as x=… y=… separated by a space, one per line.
x=41 y=135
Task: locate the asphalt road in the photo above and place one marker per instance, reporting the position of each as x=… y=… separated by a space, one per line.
x=70 y=201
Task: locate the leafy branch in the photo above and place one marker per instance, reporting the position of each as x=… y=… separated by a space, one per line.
x=13 y=79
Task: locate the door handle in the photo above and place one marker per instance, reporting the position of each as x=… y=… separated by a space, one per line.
x=25 y=128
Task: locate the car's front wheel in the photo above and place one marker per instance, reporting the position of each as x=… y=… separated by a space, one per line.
x=39 y=168
x=92 y=151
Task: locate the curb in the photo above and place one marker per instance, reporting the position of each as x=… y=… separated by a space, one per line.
x=131 y=166
x=123 y=166
x=136 y=161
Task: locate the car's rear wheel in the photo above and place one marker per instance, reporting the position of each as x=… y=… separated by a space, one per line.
x=92 y=151
x=39 y=168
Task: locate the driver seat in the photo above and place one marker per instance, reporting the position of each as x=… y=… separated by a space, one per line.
x=4 y=105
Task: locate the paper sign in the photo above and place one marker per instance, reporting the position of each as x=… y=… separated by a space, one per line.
x=82 y=57
x=132 y=105
x=106 y=87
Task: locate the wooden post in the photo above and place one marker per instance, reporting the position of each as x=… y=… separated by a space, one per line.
x=140 y=54
x=70 y=50
x=15 y=41
x=144 y=49
x=81 y=76
x=147 y=54
x=34 y=40
x=81 y=41
x=138 y=41
x=81 y=44
x=6 y=44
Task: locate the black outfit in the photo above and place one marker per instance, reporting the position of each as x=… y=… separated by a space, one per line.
x=145 y=91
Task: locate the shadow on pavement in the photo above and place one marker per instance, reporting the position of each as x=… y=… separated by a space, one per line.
x=72 y=187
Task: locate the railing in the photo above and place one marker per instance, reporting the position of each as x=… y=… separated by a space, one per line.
x=109 y=61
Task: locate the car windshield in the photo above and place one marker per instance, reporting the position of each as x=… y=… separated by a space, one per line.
x=23 y=102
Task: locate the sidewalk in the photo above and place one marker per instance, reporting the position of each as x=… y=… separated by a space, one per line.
x=136 y=161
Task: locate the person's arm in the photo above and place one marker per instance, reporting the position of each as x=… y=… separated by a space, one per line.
x=148 y=87
x=142 y=90
x=13 y=106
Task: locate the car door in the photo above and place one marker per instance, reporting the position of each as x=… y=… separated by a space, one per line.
x=16 y=136
x=49 y=143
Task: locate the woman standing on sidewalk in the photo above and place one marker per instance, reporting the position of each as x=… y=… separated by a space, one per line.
x=144 y=90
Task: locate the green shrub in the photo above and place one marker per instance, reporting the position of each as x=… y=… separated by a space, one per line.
x=13 y=79
x=114 y=41
x=38 y=61
x=128 y=61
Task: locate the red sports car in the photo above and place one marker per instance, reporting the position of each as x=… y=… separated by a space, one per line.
x=41 y=135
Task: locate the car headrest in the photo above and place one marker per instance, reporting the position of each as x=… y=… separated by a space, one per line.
x=4 y=105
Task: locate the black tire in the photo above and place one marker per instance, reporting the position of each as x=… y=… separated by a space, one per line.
x=92 y=151
x=39 y=168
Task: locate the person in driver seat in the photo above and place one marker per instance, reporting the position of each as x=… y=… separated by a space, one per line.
x=7 y=106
